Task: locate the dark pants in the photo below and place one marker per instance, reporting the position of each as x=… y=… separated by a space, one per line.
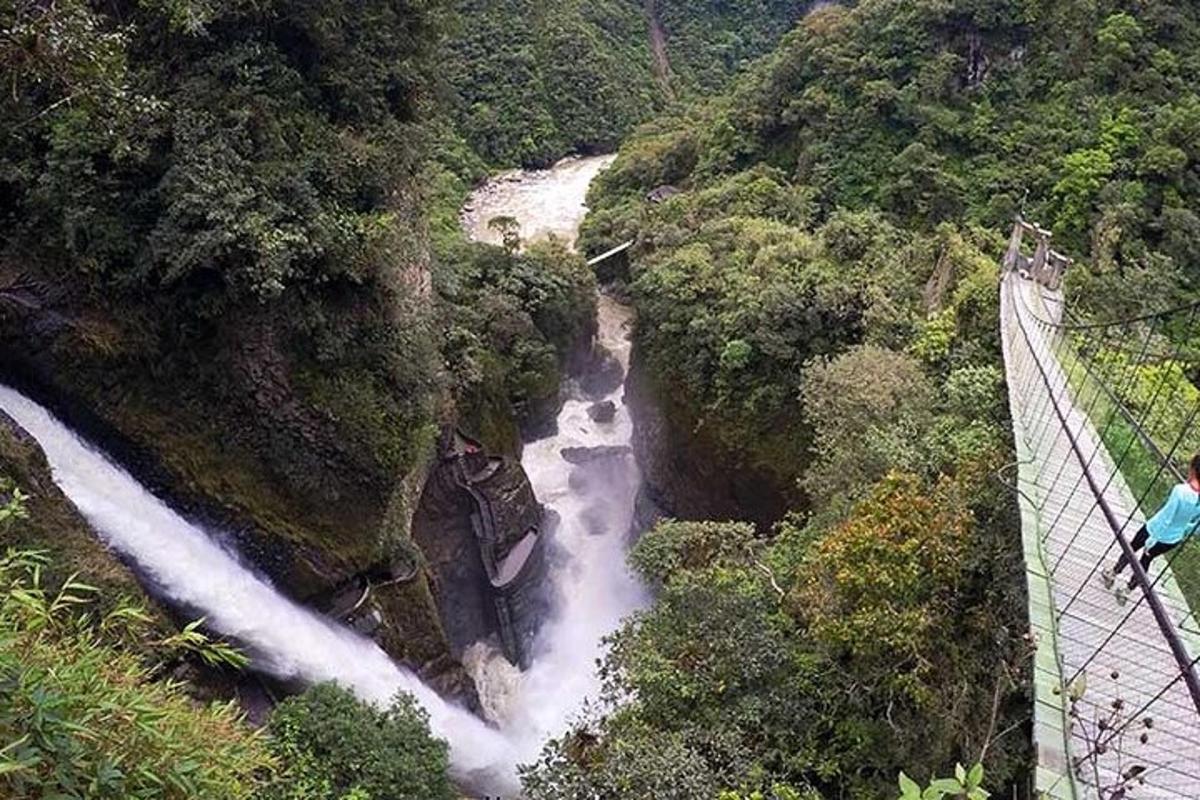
x=1139 y=541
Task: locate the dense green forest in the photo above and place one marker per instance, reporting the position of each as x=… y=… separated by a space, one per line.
x=233 y=227
x=817 y=304
x=529 y=82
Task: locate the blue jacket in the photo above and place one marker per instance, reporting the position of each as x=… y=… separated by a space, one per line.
x=1178 y=518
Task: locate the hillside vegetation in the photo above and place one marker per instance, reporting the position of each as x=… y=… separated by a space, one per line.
x=817 y=308
x=530 y=82
x=216 y=260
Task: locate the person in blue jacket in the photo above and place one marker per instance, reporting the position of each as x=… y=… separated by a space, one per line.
x=1178 y=519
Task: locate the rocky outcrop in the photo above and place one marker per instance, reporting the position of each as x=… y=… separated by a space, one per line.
x=483 y=535
x=603 y=412
x=235 y=427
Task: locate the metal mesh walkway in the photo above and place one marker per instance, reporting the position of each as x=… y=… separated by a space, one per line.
x=1114 y=714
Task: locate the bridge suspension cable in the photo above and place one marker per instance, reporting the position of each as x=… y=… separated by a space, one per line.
x=1102 y=413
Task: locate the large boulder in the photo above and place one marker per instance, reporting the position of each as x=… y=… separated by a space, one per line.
x=482 y=534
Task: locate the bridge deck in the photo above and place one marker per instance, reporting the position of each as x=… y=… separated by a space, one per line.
x=1067 y=541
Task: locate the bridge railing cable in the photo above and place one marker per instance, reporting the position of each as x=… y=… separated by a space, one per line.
x=1108 y=419
x=1142 y=579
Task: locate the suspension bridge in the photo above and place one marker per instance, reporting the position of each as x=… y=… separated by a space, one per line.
x=1102 y=415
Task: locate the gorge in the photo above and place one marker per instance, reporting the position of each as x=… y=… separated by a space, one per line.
x=585 y=473
x=590 y=497
x=301 y=336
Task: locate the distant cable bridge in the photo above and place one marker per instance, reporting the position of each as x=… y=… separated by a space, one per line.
x=621 y=248
x=1102 y=416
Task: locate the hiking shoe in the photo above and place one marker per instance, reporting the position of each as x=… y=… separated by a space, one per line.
x=1109 y=577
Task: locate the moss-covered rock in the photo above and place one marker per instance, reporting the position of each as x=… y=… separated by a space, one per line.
x=691 y=475
x=306 y=447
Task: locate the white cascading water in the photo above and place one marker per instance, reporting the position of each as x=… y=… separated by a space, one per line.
x=594 y=589
x=284 y=639
x=593 y=586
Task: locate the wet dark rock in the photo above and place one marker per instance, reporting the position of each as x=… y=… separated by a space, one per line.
x=584 y=455
x=646 y=513
x=475 y=511
x=604 y=411
x=661 y=194
x=603 y=376
x=367 y=624
x=540 y=420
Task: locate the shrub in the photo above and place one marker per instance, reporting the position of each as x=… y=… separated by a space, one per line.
x=82 y=716
x=337 y=747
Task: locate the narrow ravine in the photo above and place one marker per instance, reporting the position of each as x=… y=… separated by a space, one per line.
x=585 y=472
x=658 y=49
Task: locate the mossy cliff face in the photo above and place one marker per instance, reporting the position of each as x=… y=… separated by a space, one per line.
x=307 y=449
x=687 y=474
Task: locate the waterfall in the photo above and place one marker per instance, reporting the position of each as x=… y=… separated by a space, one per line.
x=585 y=472
x=593 y=584
x=283 y=639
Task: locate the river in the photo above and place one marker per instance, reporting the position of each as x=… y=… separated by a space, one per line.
x=593 y=493
x=594 y=589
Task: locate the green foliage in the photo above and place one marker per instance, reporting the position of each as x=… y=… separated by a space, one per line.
x=957 y=111
x=530 y=82
x=778 y=791
x=637 y=763
x=674 y=546
x=933 y=342
x=513 y=320
x=732 y=307
x=1160 y=393
x=852 y=413
x=818 y=306
x=223 y=200
x=12 y=503
x=709 y=42
x=879 y=587
x=966 y=784
x=85 y=711
x=763 y=666
x=82 y=715
x=1084 y=173
x=261 y=158
x=337 y=748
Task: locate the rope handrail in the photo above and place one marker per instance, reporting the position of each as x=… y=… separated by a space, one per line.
x=1088 y=326
x=1146 y=439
